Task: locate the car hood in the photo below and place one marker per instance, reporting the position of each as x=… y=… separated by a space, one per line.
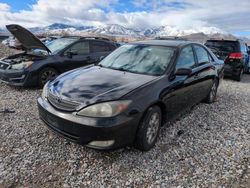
x=95 y=84
x=26 y=38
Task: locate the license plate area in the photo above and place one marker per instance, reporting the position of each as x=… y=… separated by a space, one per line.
x=52 y=121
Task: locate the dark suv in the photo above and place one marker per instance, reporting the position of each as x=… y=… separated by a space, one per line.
x=235 y=54
x=42 y=62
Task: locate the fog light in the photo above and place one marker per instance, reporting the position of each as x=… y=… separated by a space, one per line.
x=101 y=144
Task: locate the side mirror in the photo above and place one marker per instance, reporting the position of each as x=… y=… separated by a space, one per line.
x=70 y=54
x=183 y=72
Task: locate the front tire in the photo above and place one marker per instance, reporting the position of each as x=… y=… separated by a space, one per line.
x=46 y=75
x=148 y=129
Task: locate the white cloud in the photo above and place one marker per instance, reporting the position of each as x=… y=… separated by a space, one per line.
x=185 y=14
x=4 y=7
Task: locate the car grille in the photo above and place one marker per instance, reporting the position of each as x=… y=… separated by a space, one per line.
x=62 y=104
x=4 y=65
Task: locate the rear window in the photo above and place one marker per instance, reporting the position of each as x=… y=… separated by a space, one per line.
x=223 y=46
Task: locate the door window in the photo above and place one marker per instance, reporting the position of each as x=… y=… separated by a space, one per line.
x=186 y=58
x=80 y=48
x=98 y=46
x=202 y=55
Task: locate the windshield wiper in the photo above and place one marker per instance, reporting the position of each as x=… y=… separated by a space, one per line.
x=120 y=69
x=100 y=65
x=114 y=68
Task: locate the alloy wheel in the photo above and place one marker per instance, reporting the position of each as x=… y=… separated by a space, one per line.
x=47 y=76
x=154 y=124
x=213 y=92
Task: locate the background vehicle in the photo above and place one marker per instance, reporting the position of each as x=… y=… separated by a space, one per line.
x=47 y=40
x=234 y=53
x=40 y=63
x=127 y=97
x=249 y=59
x=12 y=42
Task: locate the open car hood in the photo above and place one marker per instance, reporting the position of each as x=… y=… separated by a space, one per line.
x=26 y=38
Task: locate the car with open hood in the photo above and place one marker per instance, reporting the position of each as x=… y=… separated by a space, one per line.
x=41 y=62
x=124 y=100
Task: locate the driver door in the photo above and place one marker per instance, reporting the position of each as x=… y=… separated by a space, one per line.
x=180 y=95
x=78 y=55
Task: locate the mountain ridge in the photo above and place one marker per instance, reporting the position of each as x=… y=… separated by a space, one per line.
x=115 y=29
x=198 y=34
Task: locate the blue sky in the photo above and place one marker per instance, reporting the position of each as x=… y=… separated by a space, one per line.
x=17 y=5
x=185 y=14
x=122 y=6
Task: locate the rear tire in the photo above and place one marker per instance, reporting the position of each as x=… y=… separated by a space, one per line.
x=46 y=75
x=239 y=76
x=148 y=129
x=211 y=97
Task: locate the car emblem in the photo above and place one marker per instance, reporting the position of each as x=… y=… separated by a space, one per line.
x=59 y=100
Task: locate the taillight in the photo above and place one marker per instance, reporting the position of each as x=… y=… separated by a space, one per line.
x=236 y=56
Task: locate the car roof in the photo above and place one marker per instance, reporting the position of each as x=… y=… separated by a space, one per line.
x=172 y=43
x=222 y=40
x=88 y=38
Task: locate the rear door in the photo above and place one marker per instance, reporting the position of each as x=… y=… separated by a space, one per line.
x=80 y=56
x=204 y=72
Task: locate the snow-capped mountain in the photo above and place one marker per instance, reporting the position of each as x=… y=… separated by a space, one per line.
x=114 y=29
x=198 y=34
x=59 y=27
x=118 y=30
x=174 y=31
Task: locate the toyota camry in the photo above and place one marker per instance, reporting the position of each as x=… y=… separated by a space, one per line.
x=129 y=95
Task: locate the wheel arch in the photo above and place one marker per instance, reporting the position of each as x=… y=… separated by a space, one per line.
x=163 y=108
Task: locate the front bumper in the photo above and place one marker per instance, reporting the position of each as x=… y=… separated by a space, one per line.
x=14 y=77
x=84 y=130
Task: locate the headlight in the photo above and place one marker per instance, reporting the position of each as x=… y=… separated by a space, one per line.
x=106 y=109
x=45 y=91
x=23 y=65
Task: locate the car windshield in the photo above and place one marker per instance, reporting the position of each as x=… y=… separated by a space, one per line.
x=57 y=45
x=143 y=59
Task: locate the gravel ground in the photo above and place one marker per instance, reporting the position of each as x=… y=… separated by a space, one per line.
x=207 y=147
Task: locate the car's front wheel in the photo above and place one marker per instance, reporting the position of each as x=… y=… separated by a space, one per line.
x=148 y=129
x=46 y=75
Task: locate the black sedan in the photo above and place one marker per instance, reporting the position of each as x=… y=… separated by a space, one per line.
x=127 y=97
x=40 y=63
